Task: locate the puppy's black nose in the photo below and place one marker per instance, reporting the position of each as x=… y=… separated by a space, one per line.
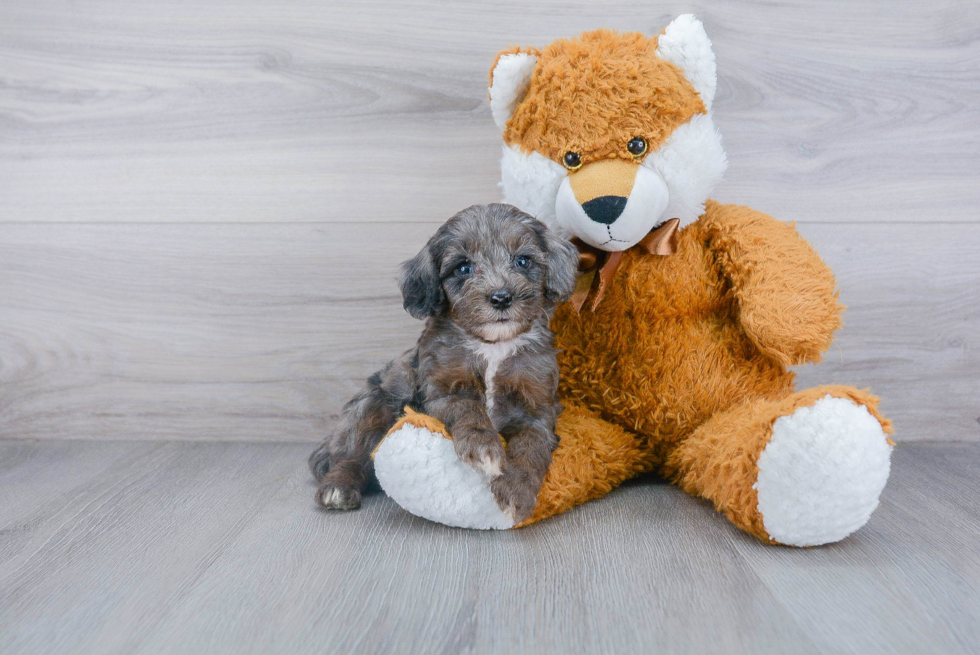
x=501 y=299
x=605 y=209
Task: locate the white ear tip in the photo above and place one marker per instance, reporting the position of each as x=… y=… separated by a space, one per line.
x=685 y=44
x=685 y=27
x=511 y=77
x=685 y=20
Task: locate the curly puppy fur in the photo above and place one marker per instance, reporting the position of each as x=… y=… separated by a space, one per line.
x=485 y=284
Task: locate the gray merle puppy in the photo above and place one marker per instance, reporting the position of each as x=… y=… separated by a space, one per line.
x=486 y=284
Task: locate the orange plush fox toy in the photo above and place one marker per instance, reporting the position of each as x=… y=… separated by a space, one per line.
x=675 y=347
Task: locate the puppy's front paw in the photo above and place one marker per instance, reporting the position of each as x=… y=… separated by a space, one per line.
x=515 y=494
x=333 y=497
x=482 y=452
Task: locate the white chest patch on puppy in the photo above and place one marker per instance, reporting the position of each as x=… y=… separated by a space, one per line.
x=493 y=355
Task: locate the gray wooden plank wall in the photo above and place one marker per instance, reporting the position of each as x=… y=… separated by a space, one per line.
x=202 y=205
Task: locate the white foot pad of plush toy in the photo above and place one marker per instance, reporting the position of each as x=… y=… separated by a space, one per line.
x=419 y=470
x=821 y=473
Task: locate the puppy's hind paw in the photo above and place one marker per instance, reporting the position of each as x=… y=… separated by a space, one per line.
x=332 y=497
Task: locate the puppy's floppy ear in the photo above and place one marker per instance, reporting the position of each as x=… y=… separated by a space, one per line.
x=421 y=289
x=562 y=266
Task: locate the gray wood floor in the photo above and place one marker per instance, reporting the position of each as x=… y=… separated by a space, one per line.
x=184 y=547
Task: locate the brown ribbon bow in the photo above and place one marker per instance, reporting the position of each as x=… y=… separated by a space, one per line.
x=598 y=267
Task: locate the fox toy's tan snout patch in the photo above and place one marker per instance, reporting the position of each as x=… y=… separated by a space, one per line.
x=603 y=188
x=606 y=177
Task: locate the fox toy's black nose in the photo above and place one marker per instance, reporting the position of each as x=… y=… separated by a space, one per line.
x=605 y=209
x=501 y=299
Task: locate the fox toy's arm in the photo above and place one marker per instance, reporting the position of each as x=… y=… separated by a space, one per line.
x=785 y=293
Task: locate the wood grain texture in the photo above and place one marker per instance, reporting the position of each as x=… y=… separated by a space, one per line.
x=201 y=204
x=262 y=332
x=912 y=323
x=151 y=111
x=126 y=544
x=839 y=592
x=218 y=548
x=31 y=477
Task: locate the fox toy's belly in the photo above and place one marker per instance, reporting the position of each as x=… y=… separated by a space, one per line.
x=663 y=352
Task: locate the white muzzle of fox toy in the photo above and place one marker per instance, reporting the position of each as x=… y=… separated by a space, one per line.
x=613 y=222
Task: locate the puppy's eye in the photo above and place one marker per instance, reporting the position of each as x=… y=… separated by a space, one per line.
x=637 y=146
x=572 y=161
x=464 y=270
x=522 y=262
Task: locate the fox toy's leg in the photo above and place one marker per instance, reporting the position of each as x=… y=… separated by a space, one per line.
x=593 y=457
x=801 y=471
x=418 y=468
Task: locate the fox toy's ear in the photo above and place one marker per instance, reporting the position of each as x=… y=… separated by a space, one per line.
x=421 y=289
x=509 y=79
x=685 y=44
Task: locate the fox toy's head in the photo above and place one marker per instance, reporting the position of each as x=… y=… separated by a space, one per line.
x=608 y=135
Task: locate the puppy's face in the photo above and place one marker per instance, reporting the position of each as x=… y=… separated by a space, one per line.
x=493 y=273
x=493 y=270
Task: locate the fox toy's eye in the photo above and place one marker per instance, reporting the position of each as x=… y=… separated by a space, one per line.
x=522 y=262
x=464 y=270
x=637 y=146
x=572 y=160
